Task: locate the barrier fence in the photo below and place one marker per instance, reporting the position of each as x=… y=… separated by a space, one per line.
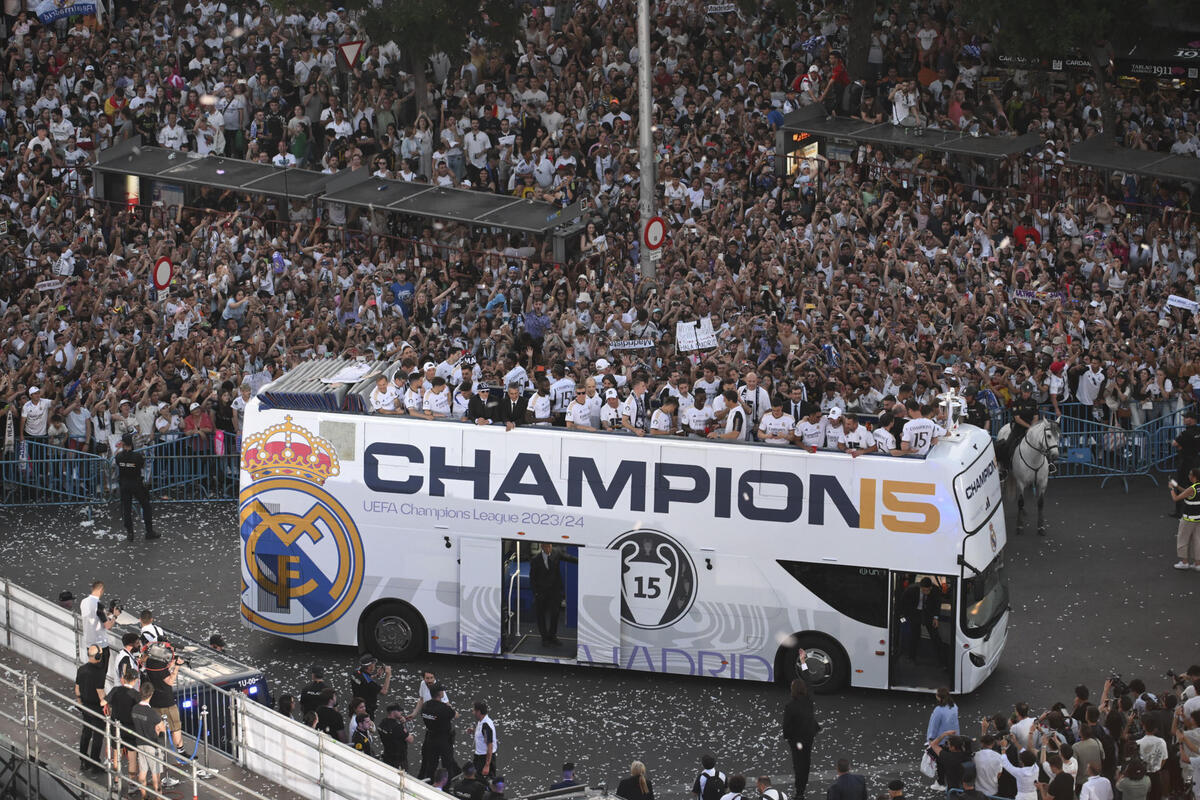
x=255 y=737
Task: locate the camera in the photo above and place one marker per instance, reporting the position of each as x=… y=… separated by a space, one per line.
x=1119 y=687
x=114 y=608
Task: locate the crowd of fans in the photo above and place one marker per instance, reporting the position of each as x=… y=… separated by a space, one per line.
x=899 y=268
x=1134 y=742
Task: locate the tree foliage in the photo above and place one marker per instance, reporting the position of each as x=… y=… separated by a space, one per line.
x=424 y=27
x=1046 y=28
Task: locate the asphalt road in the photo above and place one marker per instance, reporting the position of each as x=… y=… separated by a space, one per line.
x=1097 y=595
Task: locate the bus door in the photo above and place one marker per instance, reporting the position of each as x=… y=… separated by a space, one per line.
x=599 y=611
x=922 y=631
x=479 y=577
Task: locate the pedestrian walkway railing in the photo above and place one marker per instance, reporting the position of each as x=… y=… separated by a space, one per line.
x=53 y=726
x=258 y=738
x=36 y=473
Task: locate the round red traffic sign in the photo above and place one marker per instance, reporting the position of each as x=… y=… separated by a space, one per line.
x=655 y=233
x=163 y=270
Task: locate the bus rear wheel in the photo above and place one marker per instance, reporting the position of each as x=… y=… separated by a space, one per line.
x=394 y=632
x=828 y=666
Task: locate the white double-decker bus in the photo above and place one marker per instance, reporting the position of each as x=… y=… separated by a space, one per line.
x=404 y=536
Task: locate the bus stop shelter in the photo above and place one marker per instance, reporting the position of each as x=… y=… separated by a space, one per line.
x=1099 y=153
x=149 y=175
x=810 y=132
x=158 y=175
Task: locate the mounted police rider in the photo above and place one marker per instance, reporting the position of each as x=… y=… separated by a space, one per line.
x=1025 y=416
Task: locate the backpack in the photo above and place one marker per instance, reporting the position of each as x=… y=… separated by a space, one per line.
x=712 y=786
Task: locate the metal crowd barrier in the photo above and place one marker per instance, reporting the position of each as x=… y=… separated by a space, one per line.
x=40 y=474
x=191 y=469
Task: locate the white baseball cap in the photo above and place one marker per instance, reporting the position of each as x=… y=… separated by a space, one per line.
x=835 y=413
x=603 y=363
x=33 y=390
x=428 y=366
x=193 y=406
x=609 y=393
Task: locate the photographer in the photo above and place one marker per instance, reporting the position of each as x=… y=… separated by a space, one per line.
x=97 y=621
x=370 y=681
x=162 y=670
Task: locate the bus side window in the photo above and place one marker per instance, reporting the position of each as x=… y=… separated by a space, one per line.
x=860 y=593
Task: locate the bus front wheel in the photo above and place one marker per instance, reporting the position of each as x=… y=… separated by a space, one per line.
x=394 y=632
x=828 y=666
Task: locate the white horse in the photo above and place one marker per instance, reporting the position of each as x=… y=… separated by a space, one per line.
x=1030 y=466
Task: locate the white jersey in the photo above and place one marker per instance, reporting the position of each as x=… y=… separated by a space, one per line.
x=481 y=742
x=610 y=417
x=519 y=376
x=459 y=405
x=662 y=421
x=594 y=403
x=413 y=400
x=437 y=403
x=920 y=433
x=810 y=434
x=756 y=401
x=93 y=621
x=858 y=439
x=36 y=414
x=776 y=428
x=540 y=404
x=562 y=392
x=698 y=419
x=711 y=389
x=737 y=420
x=385 y=400
x=635 y=409
x=833 y=435
x=1088 y=390
x=580 y=414
x=884 y=441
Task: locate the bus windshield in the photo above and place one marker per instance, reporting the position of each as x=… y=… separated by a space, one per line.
x=985 y=598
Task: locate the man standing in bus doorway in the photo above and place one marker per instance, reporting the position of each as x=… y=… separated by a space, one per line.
x=546 y=580
x=800 y=727
x=920 y=606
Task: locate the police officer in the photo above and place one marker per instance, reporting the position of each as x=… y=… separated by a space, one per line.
x=1188 y=445
x=469 y=787
x=977 y=413
x=129 y=474
x=439 y=735
x=1025 y=414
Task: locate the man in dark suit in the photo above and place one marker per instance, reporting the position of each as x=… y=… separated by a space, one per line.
x=482 y=408
x=512 y=408
x=920 y=606
x=800 y=727
x=847 y=786
x=545 y=578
